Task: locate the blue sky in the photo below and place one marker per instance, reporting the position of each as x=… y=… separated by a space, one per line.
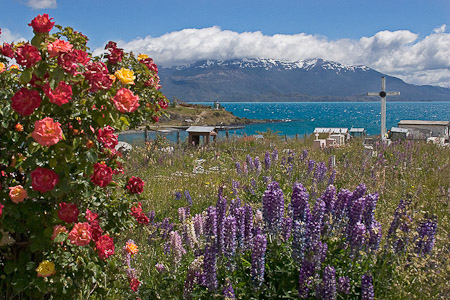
x=406 y=38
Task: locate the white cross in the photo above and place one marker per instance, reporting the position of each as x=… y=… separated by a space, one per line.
x=383 y=95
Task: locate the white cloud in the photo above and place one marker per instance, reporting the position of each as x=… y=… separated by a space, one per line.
x=399 y=53
x=7 y=36
x=41 y=4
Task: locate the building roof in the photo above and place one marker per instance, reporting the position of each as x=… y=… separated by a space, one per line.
x=357 y=129
x=330 y=130
x=422 y=122
x=207 y=129
x=399 y=130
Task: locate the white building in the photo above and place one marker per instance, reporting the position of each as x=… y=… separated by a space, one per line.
x=428 y=128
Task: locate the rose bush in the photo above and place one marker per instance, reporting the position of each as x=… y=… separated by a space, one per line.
x=63 y=195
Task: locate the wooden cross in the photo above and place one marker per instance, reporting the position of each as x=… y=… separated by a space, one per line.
x=383 y=95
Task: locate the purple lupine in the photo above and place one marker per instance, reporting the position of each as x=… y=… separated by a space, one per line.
x=291 y=157
x=375 y=235
x=299 y=241
x=267 y=179
x=221 y=208
x=329 y=284
x=304 y=154
x=311 y=164
x=367 y=287
x=319 y=172
x=188 y=197
x=357 y=237
x=273 y=207
x=235 y=185
x=239 y=214
x=211 y=224
x=304 y=279
x=427 y=232
x=131 y=273
x=160 y=268
x=267 y=161
x=315 y=226
x=238 y=168
x=258 y=259
x=344 y=285
x=181 y=214
x=319 y=254
x=192 y=277
x=228 y=292
x=248 y=226
x=400 y=221
x=332 y=177
x=369 y=210
x=299 y=203
x=151 y=217
x=166 y=227
x=257 y=164
x=177 y=196
x=249 y=162
x=340 y=206
x=199 y=224
x=286 y=227
x=210 y=266
x=229 y=240
x=176 y=247
x=359 y=192
x=329 y=197
x=355 y=214
x=274 y=155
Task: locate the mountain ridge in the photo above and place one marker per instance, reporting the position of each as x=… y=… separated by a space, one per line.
x=255 y=79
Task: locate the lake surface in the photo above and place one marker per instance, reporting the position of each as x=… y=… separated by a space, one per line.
x=302 y=117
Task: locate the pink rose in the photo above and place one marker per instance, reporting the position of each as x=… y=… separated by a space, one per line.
x=42 y=24
x=80 y=234
x=68 y=212
x=102 y=175
x=57 y=229
x=17 y=194
x=43 y=180
x=47 y=132
x=125 y=100
x=58 y=46
x=25 y=101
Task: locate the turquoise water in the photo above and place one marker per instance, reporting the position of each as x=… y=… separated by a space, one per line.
x=302 y=117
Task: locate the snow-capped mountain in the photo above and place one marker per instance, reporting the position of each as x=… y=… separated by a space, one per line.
x=257 y=79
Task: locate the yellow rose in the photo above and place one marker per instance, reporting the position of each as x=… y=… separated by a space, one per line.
x=2 y=67
x=46 y=268
x=125 y=76
x=142 y=56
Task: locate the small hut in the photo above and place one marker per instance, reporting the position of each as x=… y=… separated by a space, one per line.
x=195 y=132
x=357 y=132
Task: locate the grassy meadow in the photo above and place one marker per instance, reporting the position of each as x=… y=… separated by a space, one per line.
x=414 y=172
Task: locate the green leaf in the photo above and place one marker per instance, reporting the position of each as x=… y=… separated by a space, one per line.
x=26 y=76
x=10 y=267
x=36 y=40
x=92 y=156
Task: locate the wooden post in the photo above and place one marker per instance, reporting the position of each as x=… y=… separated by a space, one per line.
x=178 y=136
x=296 y=136
x=145 y=133
x=226 y=133
x=285 y=138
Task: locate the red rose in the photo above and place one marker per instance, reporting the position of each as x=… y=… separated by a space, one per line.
x=98 y=76
x=134 y=284
x=114 y=56
x=150 y=64
x=107 y=137
x=135 y=185
x=102 y=175
x=105 y=246
x=136 y=210
x=60 y=95
x=96 y=230
x=1 y=209
x=80 y=234
x=68 y=62
x=90 y=216
x=7 y=50
x=27 y=55
x=143 y=219
x=163 y=103
x=155 y=119
x=68 y=212
x=25 y=101
x=42 y=24
x=43 y=180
